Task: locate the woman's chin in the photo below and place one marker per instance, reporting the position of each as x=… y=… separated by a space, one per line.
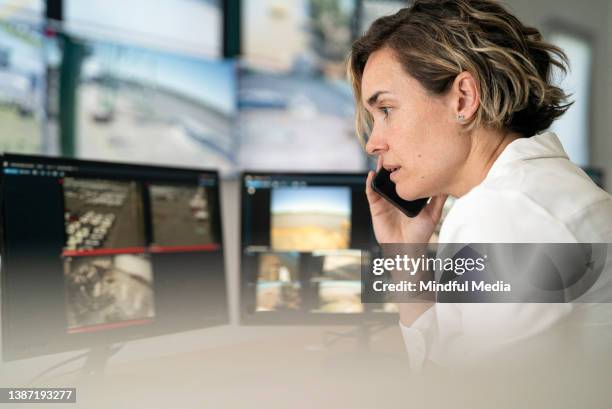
x=409 y=194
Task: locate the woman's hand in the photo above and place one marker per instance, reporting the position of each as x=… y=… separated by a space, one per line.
x=393 y=226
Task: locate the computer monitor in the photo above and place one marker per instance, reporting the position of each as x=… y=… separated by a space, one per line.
x=154 y=107
x=305 y=238
x=95 y=253
x=23 y=79
x=194 y=27
x=298 y=87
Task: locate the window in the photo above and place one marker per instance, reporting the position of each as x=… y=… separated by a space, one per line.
x=573 y=127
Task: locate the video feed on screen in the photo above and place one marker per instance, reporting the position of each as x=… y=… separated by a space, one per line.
x=310 y=218
x=192 y=26
x=338 y=282
x=373 y=9
x=301 y=115
x=298 y=87
x=387 y=307
x=103 y=292
x=387 y=301
x=154 y=107
x=304 y=238
x=278 y=283
x=181 y=215
x=102 y=214
x=311 y=37
x=22 y=77
x=339 y=297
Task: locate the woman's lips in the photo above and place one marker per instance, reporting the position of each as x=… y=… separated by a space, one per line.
x=391 y=168
x=394 y=173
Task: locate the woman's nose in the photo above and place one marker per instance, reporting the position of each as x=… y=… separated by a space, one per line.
x=376 y=144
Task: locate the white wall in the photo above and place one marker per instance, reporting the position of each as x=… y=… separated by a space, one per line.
x=592 y=17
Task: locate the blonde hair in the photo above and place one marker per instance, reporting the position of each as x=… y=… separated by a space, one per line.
x=436 y=40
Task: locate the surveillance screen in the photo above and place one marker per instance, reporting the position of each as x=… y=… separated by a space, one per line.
x=22 y=77
x=310 y=218
x=154 y=107
x=297 y=87
x=278 y=282
x=191 y=25
x=338 y=282
x=373 y=9
x=108 y=291
x=304 y=239
x=103 y=214
x=107 y=252
x=181 y=216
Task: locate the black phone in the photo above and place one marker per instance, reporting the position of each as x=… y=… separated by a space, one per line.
x=384 y=186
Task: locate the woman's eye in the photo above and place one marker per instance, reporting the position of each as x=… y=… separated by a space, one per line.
x=385 y=110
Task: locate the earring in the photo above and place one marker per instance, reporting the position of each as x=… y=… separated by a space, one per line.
x=460 y=117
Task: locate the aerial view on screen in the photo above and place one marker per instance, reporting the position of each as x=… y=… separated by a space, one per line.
x=22 y=78
x=181 y=215
x=102 y=214
x=108 y=291
x=278 y=285
x=339 y=282
x=149 y=106
x=310 y=218
x=193 y=26
x=298 y=87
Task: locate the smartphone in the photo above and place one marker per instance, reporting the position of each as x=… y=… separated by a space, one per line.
x=384 y=186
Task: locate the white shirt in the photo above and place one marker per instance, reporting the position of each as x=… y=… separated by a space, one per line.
x=532 y=194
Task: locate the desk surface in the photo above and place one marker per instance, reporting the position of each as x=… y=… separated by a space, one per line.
x=294 y=371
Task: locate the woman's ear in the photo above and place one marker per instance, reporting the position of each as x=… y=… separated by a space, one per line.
x=466 y=96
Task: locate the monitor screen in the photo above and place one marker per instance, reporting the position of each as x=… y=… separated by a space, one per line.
x=192 y=26
x=147 y=106
x=305 y=238
x=95 y=253
x=297 y=88
x=374 y=9
x=23 y=78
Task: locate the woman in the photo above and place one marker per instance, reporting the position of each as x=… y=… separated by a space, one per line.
x=454 y=96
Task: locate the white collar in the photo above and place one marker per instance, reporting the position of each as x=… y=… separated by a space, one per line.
x=544 y=145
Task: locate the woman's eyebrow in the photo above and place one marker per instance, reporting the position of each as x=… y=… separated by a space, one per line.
x=372 y=100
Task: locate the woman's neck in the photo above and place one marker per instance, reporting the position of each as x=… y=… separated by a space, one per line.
x=486 y=146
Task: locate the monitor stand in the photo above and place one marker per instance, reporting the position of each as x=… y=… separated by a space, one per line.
x=362 y=335
x=91 y=379
x=96 y=361
x=362 y=354
x=87 y=379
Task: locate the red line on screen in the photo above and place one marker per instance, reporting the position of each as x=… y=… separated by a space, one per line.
x=179 y=249
x=103 y=252
x=112 y=325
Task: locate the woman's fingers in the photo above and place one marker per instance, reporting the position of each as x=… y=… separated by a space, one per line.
x=370 y=193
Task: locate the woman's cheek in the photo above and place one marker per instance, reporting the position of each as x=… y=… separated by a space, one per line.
x=412 y=183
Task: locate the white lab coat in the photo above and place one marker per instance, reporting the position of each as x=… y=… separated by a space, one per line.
x=532 y=194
